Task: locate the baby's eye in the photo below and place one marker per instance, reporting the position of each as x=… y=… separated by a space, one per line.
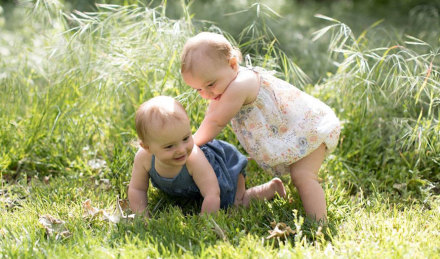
x=211 y=84
x=185 y=139
x=168 y=147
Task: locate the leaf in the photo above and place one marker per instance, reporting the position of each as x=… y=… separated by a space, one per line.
x=318 y=34
x=113 y=215
x=280 y=230
x=54 y=226
x=124 y=204
x=415 y=41
x=89 y=210
x=324 y=17
x=118 y=213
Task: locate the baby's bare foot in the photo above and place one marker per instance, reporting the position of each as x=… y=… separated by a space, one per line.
x=265 y=191
x=277 y=186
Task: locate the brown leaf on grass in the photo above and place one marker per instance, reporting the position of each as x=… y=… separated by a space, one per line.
x=54 y=226
x=118 y=212
x=124 y=204
x=89 y=210
x=113 y=215
x=280 y=230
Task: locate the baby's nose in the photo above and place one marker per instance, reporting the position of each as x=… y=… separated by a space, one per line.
x=180 y=148
x=205 y=95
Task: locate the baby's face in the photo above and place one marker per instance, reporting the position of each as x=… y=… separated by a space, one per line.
x=172 y=143
x=210 y=79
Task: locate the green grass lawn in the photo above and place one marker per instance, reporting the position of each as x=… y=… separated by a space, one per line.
x=70 y=83
x=367 y=227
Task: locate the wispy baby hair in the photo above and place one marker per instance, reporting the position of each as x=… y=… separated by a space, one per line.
x=157 y=111
x=207 y=45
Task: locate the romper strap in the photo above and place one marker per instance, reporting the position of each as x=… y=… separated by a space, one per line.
x=256 y=69
x=247 y=61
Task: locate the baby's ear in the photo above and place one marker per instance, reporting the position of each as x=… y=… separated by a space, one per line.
x=143 y=145
x=233 y=62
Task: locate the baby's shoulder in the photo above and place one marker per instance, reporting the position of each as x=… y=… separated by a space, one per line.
x=195 y=160
x=195 y=155
x=247 y=76
x=246 y=80
x=143 y=158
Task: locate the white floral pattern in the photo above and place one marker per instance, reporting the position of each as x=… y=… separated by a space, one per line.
x=284 y=125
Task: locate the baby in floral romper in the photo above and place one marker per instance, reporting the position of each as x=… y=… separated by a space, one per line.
x=285 y=130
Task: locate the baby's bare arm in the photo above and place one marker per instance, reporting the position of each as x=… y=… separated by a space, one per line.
x=138 y=187
x=220 y=113
x=205 y=179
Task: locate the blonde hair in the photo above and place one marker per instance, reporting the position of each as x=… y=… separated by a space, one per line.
x=208 y=45
x=157 y=111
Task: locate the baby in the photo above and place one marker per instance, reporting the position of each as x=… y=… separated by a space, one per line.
x=175 y=165
x=284 y=129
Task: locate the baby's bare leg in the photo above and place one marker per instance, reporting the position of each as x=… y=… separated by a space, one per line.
x=264 y=191
x=304 y=175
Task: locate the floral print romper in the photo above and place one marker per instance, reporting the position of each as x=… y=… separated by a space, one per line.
x=284 y=124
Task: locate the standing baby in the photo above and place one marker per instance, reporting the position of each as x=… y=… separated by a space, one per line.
x=285 y=130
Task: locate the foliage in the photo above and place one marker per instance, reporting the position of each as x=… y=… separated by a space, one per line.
x=388 y=99
x=70 y=92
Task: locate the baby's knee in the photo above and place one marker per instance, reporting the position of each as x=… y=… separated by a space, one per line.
x=299 y=178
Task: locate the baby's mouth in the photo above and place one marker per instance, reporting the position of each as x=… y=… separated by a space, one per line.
x=218 y=97
x=180 y=158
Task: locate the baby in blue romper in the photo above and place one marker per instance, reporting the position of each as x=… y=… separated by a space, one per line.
x=175 y=165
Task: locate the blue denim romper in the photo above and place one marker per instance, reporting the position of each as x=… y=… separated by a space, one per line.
x=227 y=163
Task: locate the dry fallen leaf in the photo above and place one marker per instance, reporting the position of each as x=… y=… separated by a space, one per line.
x=54 y=226
x=117 y=213
x=280 y=230
x=89 y=210
x=124 y=204
x=113 y=216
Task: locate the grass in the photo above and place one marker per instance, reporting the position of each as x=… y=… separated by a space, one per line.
x=369 y=227
x=70 y=83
